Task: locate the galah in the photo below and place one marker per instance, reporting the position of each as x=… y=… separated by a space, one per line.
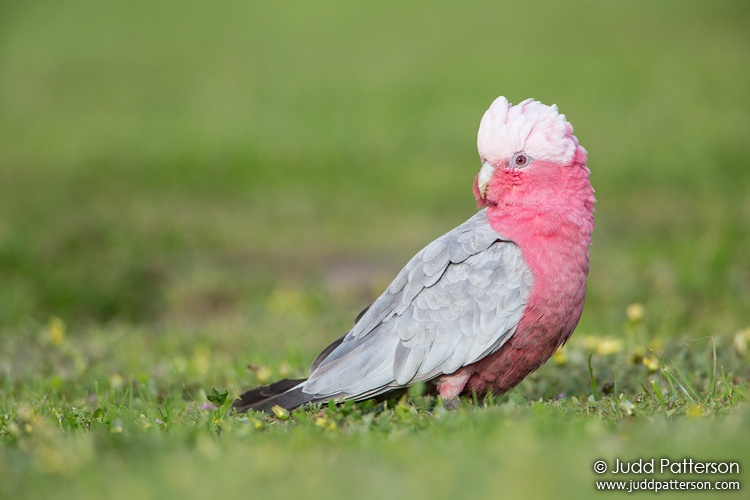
x=487 y=303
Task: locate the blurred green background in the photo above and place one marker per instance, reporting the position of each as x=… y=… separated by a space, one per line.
x=247 y=175
x=160 y=159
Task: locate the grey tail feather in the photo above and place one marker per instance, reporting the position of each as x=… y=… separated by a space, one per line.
x=281 y=393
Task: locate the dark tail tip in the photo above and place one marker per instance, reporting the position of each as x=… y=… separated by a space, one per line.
x=266 y=397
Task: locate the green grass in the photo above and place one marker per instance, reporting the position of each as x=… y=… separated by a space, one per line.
x=186 y=189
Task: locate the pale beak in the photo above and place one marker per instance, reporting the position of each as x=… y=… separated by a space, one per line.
x=483 y=181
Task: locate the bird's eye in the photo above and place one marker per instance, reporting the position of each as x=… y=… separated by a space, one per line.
x=520 y=160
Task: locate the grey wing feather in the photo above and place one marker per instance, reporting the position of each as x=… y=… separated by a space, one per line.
x=455 y=302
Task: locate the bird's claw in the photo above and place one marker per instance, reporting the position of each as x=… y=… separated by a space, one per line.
x=451 y=404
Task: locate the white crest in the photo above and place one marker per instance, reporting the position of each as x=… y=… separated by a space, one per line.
x=530 y=126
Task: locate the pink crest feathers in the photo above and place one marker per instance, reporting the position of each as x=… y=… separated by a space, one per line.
x=530 y=126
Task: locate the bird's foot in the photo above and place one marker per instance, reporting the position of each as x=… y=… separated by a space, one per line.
x=451 y=404
x=450 y=386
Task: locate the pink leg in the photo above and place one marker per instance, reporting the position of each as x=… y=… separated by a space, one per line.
x=450 y=386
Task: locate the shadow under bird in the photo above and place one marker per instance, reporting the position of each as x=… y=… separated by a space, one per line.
x=487 y=303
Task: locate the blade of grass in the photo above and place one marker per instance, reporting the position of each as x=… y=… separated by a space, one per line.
x=617 y=398
x=659 y=397
x=594 y=386
x=712 y=375
x=674 y=380
x=686 y=385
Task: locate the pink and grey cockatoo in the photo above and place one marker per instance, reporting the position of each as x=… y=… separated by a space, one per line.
x=487 y=303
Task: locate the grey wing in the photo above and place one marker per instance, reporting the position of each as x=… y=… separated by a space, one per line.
x=455 y=302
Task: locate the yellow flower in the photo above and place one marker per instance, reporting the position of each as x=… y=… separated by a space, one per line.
x=590 y=342
x=741 y=340
x=116 y=381
x=602 y=346
x=285 y=369
x=13 y=430
x=280 y=412
x=560 y=357
x=635 y=312
x=609 y=346
x=655 y=345
x=651 y=363
x=143 y=422
x=326 y=424
x=695 y=411
x=56 y=331
x=263 y=373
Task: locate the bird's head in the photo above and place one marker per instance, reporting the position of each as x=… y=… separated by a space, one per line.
x=529 y=157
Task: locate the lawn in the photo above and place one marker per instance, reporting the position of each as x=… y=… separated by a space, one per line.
x=196 y=198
